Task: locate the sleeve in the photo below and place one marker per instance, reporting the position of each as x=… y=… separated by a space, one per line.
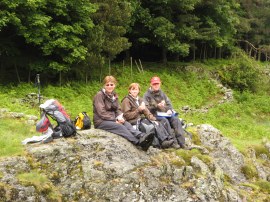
x=149 y=115
x=100 y=109
x=118 y=110
x=129 y=112
x=149 y=102
x=168 y=105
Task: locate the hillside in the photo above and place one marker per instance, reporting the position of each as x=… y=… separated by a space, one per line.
x=198 y=92
x=232 y=97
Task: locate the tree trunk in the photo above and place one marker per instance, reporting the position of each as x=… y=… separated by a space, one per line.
x=127 y=55
x=60 y=78
x=176 y=57
x=109 y=66
x=194 y=53
x=164 y=55
x=250 y=52
x=201 y=51
x=1 y=71
x=29 y=75
x=204 y=52
x=17 y=73
x=131 y=66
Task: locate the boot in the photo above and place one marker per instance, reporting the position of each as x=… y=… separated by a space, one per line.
x=166 y=144
x=146 y=141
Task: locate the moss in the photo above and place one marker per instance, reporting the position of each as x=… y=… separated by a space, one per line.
x=195 y=137
x=187 y=155
x=1 y=175
x=41 y=183
x=184 y=155
x=250 y=171
x=260 y=191
x=98 y=164
x=264 y=186
x=178 y=162
x=261 y=149
x=205 y=158
x=227 y=179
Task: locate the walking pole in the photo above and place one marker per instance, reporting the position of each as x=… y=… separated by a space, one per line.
x=38 y=84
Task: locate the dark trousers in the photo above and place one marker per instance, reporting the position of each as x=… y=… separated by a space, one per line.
x=161 y=132
x=175 y=123
x=125 y=130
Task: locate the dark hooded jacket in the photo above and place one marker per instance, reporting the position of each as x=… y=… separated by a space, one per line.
x=153 y=98
x=105 y=107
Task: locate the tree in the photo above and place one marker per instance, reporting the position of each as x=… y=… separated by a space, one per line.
x=255 y=27
x=218 y=22
x=53 y=31
x=167 y=24
x=106 y=39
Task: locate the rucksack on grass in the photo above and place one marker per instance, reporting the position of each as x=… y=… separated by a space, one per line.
x=82 y=121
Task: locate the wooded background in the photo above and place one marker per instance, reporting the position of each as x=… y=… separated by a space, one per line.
x=77 y=39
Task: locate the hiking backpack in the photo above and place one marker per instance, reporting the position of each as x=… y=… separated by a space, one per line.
x=82 y=121
x=56 y=111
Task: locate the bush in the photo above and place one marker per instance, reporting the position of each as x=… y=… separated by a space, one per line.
x=242 y=75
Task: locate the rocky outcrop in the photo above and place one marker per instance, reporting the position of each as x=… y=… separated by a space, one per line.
x=100 y=166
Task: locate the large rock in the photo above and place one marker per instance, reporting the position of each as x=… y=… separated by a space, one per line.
x=100 y=166
x=223 y=152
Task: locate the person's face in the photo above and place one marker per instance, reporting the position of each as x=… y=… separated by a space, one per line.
x=109 y=87
x=134 y=91
x=155 y=86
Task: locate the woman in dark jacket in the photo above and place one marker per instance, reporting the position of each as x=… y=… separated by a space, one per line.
x=134 y=109
x=108 y=116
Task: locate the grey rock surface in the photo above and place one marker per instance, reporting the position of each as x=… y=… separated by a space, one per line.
x=100 y=166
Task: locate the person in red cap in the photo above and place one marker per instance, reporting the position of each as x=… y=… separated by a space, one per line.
x=157 y=101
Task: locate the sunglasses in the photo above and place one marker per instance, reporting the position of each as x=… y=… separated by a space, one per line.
x=110 y=84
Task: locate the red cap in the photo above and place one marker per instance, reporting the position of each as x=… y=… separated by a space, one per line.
x=155 y=79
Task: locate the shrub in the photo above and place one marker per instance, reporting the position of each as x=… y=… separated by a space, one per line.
x=242 y=75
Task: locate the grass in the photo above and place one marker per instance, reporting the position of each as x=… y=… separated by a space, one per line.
x=41 y=183
x=12 y=133
x=245 y=121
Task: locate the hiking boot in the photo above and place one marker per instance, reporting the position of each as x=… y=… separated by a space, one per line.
x=146 y=141
x=166 y=144
x=175 y=146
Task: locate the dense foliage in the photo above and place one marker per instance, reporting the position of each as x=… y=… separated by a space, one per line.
x=78 y=39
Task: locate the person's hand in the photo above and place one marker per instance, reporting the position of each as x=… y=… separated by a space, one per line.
x=155 y=122
x=121 y=121
x=169 y=112
x=161 y=104
x=141 y=107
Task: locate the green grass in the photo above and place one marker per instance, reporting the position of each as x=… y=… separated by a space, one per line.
x=245 y=121
x=41 y=183
x=12 y=133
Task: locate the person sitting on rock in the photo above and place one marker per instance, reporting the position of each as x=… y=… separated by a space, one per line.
x=134 y=110
x=157 y=101
x=109 y=117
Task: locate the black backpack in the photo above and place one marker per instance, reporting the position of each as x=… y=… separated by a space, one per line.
x=82 y=121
